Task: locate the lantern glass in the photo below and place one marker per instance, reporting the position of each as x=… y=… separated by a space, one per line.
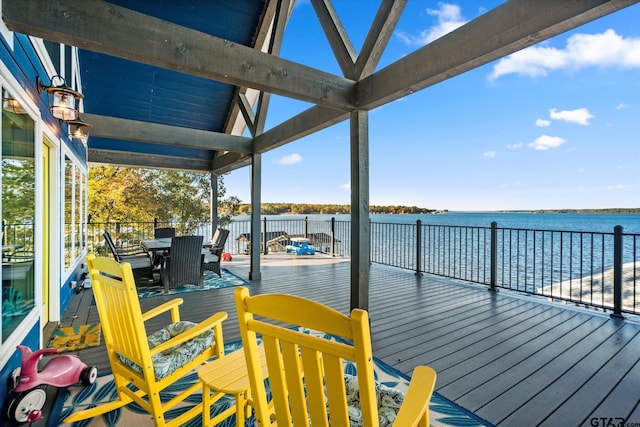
x=79 y=130
x=14 y=106
x=64 y=106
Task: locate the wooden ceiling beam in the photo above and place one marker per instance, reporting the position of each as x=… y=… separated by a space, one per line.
x=133 y=130
x=228 y=162
x=150 y=161
x=113 y=30
x=378 y=37
x=303 y=124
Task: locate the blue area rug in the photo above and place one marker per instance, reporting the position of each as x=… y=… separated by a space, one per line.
x=443 y=412
x=211 y=281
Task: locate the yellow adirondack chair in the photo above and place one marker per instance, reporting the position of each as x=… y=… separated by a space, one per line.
x=306 y=370
x=173 y=353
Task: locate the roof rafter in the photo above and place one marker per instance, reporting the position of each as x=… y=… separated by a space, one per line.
x=151 y=161
x=133 y=130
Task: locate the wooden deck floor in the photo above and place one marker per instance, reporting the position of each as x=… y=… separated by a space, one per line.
x=513 y=360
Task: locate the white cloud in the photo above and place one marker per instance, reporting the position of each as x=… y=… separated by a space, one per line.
x=543 y=123
x=546 y=142
x=607 y=49
x=291 y=159
x=580 y=116
x=489 y=154
x=621 y=106
x=514 y=146
x=449 y=18
x=346 y=187
x=619 y=187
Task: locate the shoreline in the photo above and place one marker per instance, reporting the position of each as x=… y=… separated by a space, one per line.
x=590 y=289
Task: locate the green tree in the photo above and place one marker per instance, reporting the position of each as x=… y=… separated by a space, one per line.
x=127 y=194
x=119 y=194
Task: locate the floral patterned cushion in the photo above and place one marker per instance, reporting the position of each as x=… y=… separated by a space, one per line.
x=168 y=361
x=389 y=402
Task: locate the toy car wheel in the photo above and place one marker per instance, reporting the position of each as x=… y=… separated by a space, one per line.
x=89 y=375
x=22 y=404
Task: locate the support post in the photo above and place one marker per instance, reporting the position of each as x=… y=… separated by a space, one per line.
x=360 y=227
x=213 y=215
x=256 y=196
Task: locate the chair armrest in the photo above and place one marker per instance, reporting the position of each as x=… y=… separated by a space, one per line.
x=213 y=322
x=172 y=305
x=415 y=407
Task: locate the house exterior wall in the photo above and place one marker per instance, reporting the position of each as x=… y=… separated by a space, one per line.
x=51 y=238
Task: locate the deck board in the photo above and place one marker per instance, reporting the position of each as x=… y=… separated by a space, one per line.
x=513 y=360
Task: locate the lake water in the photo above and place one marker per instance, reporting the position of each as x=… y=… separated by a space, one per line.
x=602 y=223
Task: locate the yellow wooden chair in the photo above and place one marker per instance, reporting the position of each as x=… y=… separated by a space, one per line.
x=148 y=363
x=306 y=370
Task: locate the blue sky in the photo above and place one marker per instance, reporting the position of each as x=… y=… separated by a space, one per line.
x=556 y=125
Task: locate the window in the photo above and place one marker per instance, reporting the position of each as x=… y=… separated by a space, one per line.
x=75 y=208
x=18 y=217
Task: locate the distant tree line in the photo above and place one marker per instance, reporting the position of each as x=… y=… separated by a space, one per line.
x=327 y=209
x=595 y=211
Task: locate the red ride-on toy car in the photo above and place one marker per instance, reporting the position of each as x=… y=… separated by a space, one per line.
x=29 y=395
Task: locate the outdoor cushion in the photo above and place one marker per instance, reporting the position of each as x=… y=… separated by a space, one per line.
x=209 y=257
x=389 y=402
x=168 y=361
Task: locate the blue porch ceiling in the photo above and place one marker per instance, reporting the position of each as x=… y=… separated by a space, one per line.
x=117 y=87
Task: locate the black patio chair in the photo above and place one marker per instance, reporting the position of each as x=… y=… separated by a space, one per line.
x=213 y=255
x=184 y=264
x=138 y=258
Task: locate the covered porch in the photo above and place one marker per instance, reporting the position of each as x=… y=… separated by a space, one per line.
x=513 y=360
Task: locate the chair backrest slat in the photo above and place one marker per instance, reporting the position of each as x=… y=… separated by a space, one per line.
x=117 y=300
x=164 y=232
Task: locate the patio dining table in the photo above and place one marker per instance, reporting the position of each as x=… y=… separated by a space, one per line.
x=162 y=244
x=156 y=245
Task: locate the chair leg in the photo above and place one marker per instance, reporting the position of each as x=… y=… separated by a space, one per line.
x=157 y=411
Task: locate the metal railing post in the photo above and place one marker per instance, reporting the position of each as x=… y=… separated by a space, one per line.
x=419 y=247
x=617 y=272
x=333 y=236
x=306 y=227
x=494 y=256
x=264 y=236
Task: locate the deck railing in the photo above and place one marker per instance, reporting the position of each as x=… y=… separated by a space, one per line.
x=594 y=269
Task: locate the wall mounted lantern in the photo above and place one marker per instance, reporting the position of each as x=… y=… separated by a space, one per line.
x=11 y=104
x=79 y=130
x=63 y=106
